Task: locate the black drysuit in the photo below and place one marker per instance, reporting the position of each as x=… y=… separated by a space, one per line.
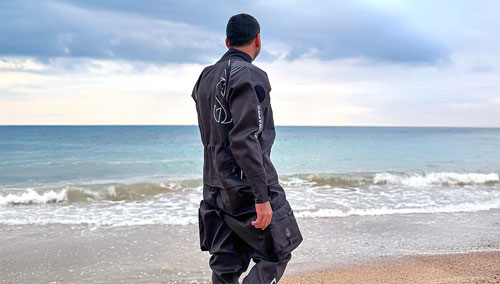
x=237 y=131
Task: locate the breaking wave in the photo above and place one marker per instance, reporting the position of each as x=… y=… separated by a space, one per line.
x=93 y=192
x=116 y=191
x=387 y=178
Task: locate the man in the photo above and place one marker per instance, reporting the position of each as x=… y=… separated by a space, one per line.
x=244 y=213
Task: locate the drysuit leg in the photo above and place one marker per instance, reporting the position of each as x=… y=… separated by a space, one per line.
x=230 y=255
x=266 y=270
x=268 y=267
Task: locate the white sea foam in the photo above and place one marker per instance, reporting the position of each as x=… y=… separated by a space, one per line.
x=31 y=196
x=442 y=178
x=384 y=210
x=128 y=215
x=410 y=179
x=90 y=192
x=112 y=190
x=164 y=220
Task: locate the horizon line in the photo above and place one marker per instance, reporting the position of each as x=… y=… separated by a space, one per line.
x=284 y=125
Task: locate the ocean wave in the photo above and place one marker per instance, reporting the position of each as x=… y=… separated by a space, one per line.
x=33 y=197
x=442 y=178
x=94 y=192
x=355 y=180
x=138 y=189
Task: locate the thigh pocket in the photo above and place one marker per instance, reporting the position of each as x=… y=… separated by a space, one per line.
x=284 y=231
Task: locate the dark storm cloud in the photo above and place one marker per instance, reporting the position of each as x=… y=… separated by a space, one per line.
x=193 y=31
x=56 y=29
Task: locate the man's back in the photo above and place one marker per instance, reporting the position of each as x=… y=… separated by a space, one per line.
x=244 y=213
x=236 y=124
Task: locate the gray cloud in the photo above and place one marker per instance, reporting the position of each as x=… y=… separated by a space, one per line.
x=193 y=31
x=53 y=29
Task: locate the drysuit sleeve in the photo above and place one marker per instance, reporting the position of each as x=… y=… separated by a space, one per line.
x=246 y=113
x=195 y=98
x=195 y=88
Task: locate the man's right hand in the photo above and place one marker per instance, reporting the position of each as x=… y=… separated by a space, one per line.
x=264 y=215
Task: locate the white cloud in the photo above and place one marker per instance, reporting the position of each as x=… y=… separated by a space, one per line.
x=305 y=91
x=276 y=48
x=105 y=94
x=20 y=64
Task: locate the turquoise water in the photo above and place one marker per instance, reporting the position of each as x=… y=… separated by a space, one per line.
x=107 y=169
x=41 y=155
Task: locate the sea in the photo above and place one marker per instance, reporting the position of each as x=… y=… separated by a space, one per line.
x=128 y=178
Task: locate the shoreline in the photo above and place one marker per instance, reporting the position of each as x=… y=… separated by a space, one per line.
x=481 y=267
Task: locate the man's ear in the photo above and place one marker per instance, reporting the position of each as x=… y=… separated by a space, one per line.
x=227 y=42
x=257 y=41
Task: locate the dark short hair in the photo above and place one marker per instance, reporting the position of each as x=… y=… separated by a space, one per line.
x=241 y=29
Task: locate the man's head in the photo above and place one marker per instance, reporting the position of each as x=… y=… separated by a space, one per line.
x=243 y=33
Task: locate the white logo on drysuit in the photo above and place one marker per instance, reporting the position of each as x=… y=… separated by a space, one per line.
x=219 y=111
x=259 y=113
x=274 y=281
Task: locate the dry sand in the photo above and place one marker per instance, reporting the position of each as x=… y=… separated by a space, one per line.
x=475 y=267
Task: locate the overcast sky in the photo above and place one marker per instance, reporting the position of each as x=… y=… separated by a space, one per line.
x=378 y=62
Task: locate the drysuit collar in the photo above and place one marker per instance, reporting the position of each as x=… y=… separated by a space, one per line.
x=233 y=52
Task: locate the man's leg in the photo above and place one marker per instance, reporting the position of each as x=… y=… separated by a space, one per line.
x=230 y=255
x=266 y=270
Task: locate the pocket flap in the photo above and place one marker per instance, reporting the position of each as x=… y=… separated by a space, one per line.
x=282 y=212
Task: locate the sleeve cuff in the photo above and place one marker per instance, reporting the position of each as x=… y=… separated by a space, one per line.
x=258 y=183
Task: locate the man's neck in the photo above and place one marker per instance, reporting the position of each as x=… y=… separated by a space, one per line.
x=233 y=52
x=244 y=49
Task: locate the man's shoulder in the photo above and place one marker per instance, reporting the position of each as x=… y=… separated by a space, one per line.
x=208 y=71
x=245 y=68
x=208 y=68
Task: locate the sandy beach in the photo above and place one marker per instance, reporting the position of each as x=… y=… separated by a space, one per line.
x=474 y=267
x=408 y=248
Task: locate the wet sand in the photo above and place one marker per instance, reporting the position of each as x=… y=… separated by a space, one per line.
x=475 y=267
x=352 y=249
